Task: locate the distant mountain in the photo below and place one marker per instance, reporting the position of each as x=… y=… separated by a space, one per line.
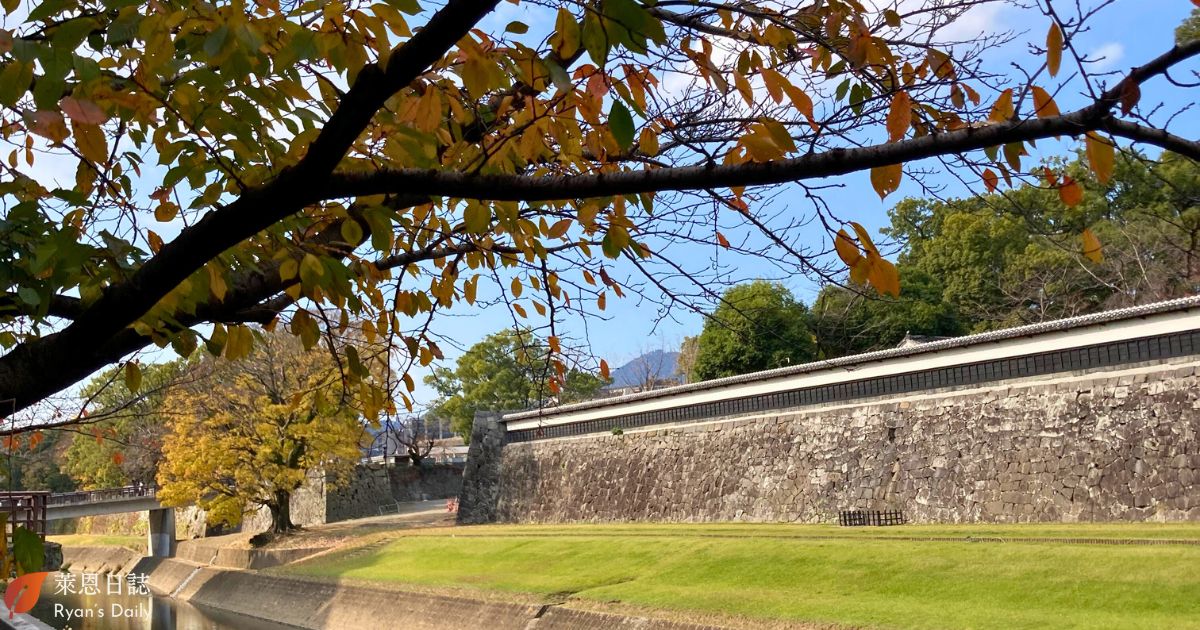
x=659 y=364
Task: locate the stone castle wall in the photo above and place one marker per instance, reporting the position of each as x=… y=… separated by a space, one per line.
x=325 y=500
x=1120 y=445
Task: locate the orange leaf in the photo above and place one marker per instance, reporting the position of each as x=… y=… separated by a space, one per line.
x=118 y=459
x=23 y=591
x=1092 y=247
x=864 y=237
x=899 y=117
x=886 y=179
x=1043 y=104
x=1054 y=48
x=1070 y=192
x=1101 y=154
x=1002 y=109
x=1130 y=95
x=1050 y=176
x=604 y=373
x=722 y=241
x=990 y=180
x=82 y=111
x=846 y=249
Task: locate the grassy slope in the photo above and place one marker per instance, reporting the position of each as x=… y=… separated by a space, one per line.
x=136 y=543
x=780 y=574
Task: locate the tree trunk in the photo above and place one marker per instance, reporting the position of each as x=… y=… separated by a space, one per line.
x=281 y=512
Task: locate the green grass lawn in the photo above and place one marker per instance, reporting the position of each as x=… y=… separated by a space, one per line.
x=790 y=573
x=136 y=543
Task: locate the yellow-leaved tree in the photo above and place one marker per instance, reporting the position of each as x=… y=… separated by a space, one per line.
x=246 y=433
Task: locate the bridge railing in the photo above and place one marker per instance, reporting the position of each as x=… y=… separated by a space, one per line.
x=100 y=496
x=25 y=508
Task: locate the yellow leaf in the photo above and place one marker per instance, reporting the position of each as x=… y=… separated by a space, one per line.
x=90 y=141
x=886 y=179
x=775 y=84
x=155 y=241
x=133 y=376
x=1092 y=247
x=1101 y=154
x=899 y=117
x=288 y=269
x=1002 y=109
x=565 y=40
x=516 y=287
x=1043 y=103
x=648 y=142
x=846 y=249
x=743 y=87
x=216 y=282
x=1054 y=48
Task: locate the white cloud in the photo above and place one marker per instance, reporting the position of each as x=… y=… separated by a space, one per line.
x=1107 y=56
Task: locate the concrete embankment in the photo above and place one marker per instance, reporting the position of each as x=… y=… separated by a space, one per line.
x=100 y=559
x=312 y=604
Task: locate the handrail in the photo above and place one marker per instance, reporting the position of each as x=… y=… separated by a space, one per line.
x=101 y=496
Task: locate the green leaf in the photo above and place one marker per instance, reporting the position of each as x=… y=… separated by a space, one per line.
x=352 y=232
x=558 y=76
x=311 y=270
x=595 y=39
x=477 y=217
x=28 y=551
x=410 y=7
x=620 y=122
x=14 y=80
x=49 y=9
x=520 y=28
x=133 y=376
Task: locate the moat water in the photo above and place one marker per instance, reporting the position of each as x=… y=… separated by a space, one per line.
x=137 y=612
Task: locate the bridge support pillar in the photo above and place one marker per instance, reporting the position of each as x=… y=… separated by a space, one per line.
x=161 y=537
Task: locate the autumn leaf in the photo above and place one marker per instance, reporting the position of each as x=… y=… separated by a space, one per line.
x=90 y=141
x=82 y=111
x=1101 y=155
x=1092 y=247
x=1070 y=192
x=1002 y=109
x=1054 y=49
x=722 y=241
x=604 y=373
x=133 y=376
x=50 y=125
x=1043 y=103
x=886 y=179
x=899 y=116
x=1130 y=94
x=846 y=249
x=990 y=180
x=565 y=40
x=884 y=276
